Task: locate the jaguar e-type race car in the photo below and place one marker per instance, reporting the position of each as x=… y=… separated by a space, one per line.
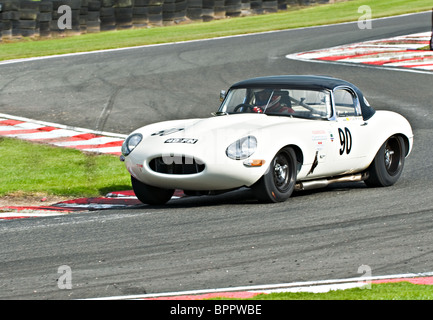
x=275 y=135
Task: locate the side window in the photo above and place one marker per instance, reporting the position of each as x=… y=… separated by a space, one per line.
x=345 y=103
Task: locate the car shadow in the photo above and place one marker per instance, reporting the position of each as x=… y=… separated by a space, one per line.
x=244 y=196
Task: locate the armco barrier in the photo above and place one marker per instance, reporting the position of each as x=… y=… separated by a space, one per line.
x=58 y=18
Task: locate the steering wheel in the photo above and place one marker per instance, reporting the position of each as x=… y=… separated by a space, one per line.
x=243 y=107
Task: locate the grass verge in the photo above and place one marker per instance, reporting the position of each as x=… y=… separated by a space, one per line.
x=301 y=17
x=28 y=168
x=384 y=291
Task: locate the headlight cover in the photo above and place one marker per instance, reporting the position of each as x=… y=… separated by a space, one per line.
x=130 y=143
x=242 y=148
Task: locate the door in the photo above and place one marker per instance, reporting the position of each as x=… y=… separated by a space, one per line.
x=349 y=132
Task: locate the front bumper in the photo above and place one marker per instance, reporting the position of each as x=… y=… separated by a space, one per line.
x=222 y=174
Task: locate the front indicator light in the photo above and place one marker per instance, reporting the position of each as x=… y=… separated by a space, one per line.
x=254 y=163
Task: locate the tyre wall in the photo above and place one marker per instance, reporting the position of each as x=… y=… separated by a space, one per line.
x=26 y=18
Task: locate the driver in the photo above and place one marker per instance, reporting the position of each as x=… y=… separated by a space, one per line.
x=269 y=101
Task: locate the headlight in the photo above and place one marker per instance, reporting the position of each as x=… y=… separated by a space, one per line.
x=242 y=149
x=130 y=143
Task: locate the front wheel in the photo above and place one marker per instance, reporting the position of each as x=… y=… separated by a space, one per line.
x=278 y=183
x=388 y=163
x=151 y=195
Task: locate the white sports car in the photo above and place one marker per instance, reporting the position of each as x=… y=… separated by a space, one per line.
x=275 y=135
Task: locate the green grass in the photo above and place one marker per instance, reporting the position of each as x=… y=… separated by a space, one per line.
x=303 y=17
x=27 y=168
x=383 y=291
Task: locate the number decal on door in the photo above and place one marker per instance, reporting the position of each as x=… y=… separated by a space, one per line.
x=345 y=140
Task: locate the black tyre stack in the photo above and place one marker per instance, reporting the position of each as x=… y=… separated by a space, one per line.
x=194 y=10
x=94 y=16
x=10 y=17
x=233 y=8
x=180 y=10
x=84 y=13
x=208 y=12
x=45 y=18
x=155 y=13
x=6 y=19
x=140 y=17
x=245 y=7
x=106 y=15
x=256 y=7
x=28 y=18
x=76 y=12
x=219 y=9
x=31 y=18
x=168 y=12
x=282 y=4
x=270 y=6
x=123 y=14
x=55 y=16
x=59 y=18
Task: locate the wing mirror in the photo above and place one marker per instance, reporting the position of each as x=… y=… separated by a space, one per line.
x=222 y=95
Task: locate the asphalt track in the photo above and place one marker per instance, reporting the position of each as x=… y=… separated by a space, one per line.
x=227 y=240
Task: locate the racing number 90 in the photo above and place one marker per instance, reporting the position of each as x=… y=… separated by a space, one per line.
x=345 y=140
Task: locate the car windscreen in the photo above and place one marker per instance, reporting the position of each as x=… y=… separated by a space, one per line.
x=314 y=104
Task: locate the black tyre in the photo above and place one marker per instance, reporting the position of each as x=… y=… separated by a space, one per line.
x=388 y=163
x=278 y=183
x=151 y=195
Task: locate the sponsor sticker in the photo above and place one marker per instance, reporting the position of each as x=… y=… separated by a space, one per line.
x=181 y=140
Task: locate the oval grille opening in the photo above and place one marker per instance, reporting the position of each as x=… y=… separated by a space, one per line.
x=176 y=165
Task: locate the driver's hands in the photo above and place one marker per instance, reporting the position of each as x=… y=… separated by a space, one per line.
x=257 y=110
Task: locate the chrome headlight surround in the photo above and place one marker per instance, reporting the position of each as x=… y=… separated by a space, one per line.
x=242 y=148
x=131 y=143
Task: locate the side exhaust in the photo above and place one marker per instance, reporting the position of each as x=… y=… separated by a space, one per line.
x=321 y=183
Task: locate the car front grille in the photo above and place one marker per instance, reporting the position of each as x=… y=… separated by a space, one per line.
x=176 y=165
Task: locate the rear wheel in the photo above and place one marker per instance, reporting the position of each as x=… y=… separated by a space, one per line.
x=278 y=183
x=388 y=163
x=151 y=195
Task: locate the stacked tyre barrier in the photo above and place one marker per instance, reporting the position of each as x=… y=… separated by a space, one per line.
x=59 y=18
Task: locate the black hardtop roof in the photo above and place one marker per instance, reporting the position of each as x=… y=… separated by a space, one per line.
x=312 y=82
x=294 y=81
